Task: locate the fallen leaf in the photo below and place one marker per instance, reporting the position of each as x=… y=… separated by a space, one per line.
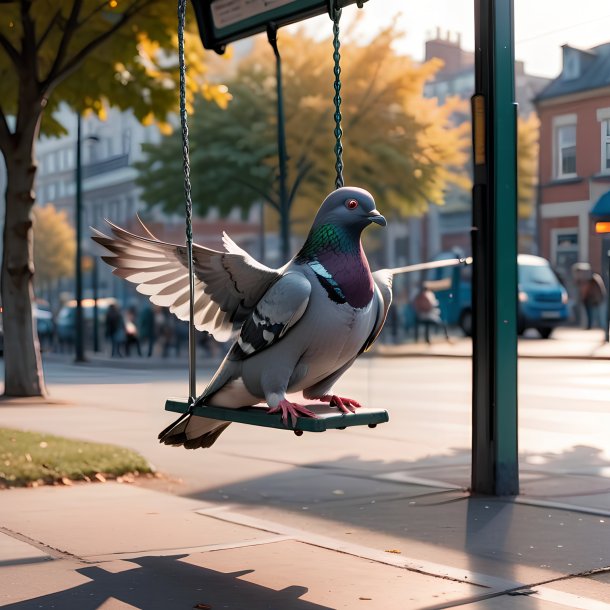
x=28 y=457
x=203 y=607
x=100 y=477
x=393 y=551
x=66 y=481
x=367 y=599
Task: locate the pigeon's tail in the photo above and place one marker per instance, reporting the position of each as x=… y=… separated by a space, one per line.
x=193 y=432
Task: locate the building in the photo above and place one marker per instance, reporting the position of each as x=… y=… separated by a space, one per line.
x=448 y=227
x=574 y=169
x=110 y=148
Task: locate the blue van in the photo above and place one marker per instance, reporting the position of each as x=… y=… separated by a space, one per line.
x=543 y=300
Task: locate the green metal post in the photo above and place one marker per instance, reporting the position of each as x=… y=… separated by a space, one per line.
x=281 y=148
x=79 y=340
x=494 y=242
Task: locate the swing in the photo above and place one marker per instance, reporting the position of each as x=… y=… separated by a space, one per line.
x=327 y=417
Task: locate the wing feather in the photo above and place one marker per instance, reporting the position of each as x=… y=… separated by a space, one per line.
x=227 y=284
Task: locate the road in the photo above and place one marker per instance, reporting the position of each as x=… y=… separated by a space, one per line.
x=563 y=406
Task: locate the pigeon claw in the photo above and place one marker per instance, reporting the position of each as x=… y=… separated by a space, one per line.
x=291 y=408
x=345 y=405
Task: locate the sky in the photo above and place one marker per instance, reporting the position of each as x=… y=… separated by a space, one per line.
x=541 y=26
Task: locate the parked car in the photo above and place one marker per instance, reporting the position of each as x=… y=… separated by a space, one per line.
x=66 y=319
x=44 y=324
x=542 y=298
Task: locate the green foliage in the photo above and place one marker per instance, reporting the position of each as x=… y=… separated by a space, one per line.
x=88 y=53
x=28 y=458
x=402 y=147
x=230 y=152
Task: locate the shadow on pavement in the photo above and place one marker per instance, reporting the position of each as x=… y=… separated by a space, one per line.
x=167 y=582
x=398 y=505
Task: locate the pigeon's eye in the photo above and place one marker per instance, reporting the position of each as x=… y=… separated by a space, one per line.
x=351 y=204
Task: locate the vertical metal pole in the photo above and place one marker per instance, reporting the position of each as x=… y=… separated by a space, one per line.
x=96 y=325
x=78 y=319
x=494 y=243
x=281 y=146
x=188 y=205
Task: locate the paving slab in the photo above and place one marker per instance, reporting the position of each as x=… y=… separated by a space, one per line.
x=16 y=552
x=160 y=553
x=101 y=519
x=596 y=586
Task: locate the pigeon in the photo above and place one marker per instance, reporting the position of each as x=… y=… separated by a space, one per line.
x=295 y=329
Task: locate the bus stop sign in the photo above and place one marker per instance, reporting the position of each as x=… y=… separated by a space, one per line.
x=223 y=21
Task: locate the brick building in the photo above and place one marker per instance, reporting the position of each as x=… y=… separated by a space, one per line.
x=574 y=168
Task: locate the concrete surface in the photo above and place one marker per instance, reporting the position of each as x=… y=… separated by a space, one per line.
x=259 y=564
x=376 y=519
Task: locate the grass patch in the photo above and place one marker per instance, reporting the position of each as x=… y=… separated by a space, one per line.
x=29 y=459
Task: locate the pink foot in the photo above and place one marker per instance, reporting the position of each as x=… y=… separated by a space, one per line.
x=291 y=408
x=345 y=405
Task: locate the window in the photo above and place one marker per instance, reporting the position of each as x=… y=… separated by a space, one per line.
x=606 y=145
x=565 y=142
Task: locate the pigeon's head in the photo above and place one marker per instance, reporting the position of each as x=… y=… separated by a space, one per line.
x=349 y=207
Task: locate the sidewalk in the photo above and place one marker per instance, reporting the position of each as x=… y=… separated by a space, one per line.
x=116 y=546
x=563 y=343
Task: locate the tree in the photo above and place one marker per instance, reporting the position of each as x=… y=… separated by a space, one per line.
x=401 y=146
x=54 y=246
x=527 y=164
x=84 y=53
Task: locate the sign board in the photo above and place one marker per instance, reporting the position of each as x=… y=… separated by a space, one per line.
x=602 y=227
x=223 y=21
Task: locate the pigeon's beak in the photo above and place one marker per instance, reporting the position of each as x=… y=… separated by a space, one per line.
x=377 y=218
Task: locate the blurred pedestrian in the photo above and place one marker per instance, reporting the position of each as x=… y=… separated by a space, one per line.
x=131 y=331
x=593 y=298
x=146 y=328
x=168 y=333
x=114 y=330
x=428 y=312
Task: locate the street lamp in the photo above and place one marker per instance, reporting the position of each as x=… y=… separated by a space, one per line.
x=79 y=343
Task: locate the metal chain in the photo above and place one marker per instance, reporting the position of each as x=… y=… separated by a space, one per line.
x=188 y=204
x=183 y=122
x=336 y=16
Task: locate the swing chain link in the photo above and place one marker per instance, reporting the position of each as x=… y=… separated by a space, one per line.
x=188 y=204
x=183 y=122
x=335 y=15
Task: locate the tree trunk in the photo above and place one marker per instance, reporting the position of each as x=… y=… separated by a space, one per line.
x=22 y=362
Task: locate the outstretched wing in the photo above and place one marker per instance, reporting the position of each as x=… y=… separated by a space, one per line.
x=277 y=312
x=227 y=284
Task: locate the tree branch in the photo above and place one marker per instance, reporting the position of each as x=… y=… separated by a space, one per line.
x=75 y=62
x=95 y=11
x=303 y=171
x=5 y=132
x=11 y=51
x=69 y=29
x=28 y=41
x=52 y=22
x=260 y=192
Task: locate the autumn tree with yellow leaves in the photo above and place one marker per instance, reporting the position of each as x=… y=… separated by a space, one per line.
x=402 y=147
x=86 y=54
x=54 y=246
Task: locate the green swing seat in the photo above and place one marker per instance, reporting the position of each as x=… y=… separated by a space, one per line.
x=328 y=418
